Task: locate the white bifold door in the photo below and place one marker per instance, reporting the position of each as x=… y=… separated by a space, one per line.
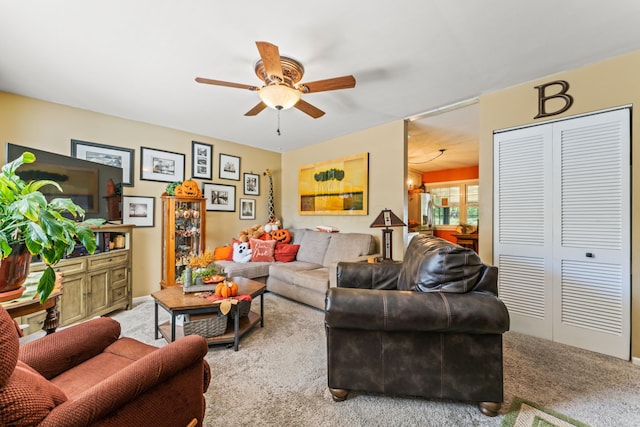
x=562 y=230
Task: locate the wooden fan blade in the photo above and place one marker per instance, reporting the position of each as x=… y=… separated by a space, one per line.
x=270 y=55
x=344 y=82
x=255 y=110
x=228 y=84
x=305 y=107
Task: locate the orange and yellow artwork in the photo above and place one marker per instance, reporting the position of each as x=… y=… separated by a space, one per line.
x=334 y=187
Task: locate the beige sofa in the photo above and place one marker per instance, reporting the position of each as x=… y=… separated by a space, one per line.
x=308 y=278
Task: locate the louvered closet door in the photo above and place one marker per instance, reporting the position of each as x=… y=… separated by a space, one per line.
x=562 y=230
x=522 y=239
x=591 y=274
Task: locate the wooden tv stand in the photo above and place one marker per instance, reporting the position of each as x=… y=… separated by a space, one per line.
x=96 y=284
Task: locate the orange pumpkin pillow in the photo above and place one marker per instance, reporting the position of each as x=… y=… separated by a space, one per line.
x=223 y=253
x=281 y=235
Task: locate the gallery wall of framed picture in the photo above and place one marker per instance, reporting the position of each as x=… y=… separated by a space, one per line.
x=170 y=167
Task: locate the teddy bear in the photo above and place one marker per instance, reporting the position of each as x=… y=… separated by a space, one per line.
x=254 y=232
x=241 y=252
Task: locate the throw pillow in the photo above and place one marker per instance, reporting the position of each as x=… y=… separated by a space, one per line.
x=286 y=252
x=241 y=252
x=262 y=250
x=223 y=253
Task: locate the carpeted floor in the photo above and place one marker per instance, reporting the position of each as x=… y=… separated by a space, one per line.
x=278 y=378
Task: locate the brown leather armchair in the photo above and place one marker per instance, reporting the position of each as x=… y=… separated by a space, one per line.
x=430 y=326
x=86 y=375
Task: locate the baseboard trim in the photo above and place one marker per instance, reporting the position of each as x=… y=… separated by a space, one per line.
x=138 y=300
x=635 y=360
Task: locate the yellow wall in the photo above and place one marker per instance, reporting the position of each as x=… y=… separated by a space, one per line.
x=607 y=84
x=387 y=180
x=47 y=126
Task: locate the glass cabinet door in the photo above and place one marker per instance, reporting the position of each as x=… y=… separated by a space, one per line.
x=183 y=235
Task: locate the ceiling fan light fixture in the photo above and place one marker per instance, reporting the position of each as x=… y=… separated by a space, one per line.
x=279 y=97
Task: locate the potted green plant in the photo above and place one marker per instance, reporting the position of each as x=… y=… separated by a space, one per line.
x=29 y=225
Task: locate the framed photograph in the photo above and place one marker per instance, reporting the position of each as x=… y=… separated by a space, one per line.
x=229 y=167
x=201 y=160
x=159 y=165
x=247 y=209
x=251 y=184
x=334 y=187
x=107 y=155
x=219 y=197
x=138 y=210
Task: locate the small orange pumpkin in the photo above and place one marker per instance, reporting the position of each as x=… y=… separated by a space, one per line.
x=281 y=235
x=226 y=289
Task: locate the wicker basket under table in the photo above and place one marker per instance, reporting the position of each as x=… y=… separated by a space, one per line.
x=206 y=325
x=243 y=306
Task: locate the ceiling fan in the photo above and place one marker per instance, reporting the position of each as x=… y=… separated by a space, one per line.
x=281 y=89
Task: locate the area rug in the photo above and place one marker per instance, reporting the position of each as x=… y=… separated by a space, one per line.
x=524 y=413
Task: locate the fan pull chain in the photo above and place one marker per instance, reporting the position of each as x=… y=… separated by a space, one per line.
x=278 y=130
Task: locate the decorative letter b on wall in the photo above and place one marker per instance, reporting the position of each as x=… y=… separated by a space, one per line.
x=562 y=95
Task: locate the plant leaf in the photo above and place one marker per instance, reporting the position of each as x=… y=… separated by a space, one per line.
x=46 y=284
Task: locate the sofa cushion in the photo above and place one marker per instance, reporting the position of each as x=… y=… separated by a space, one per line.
x=297 y=234
x=262 y=250
x=434 y=264
x=27 y=398
x=313 y=247
x=345 y=246
x=250 y=270
x=316 y=279
x=286 y=252
x=287 y=272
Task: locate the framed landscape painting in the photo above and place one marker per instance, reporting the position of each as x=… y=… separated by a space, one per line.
x=138 y=210
x=219 y=197
x=247 y=209
x=160 y=165
x=229 y=167
x=334 y=187
x=107 y=155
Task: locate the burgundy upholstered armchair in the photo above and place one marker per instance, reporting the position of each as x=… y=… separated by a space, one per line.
x=86 y=375
x=430 y=326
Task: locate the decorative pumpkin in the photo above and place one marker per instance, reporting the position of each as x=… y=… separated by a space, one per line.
x=178 y=190
x=190 y=188
x=226 y=289
x=281 y=235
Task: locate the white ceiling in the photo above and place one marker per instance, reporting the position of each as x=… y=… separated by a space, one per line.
x=138 y=59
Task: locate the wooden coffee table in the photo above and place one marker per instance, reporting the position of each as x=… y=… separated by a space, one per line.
x=176 y=302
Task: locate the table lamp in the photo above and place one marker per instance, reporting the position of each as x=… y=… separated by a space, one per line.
x=387 y=219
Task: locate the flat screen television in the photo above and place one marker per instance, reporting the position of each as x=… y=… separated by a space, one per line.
x=87 y=183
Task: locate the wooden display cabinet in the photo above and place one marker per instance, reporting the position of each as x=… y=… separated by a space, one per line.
x=183 y=234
